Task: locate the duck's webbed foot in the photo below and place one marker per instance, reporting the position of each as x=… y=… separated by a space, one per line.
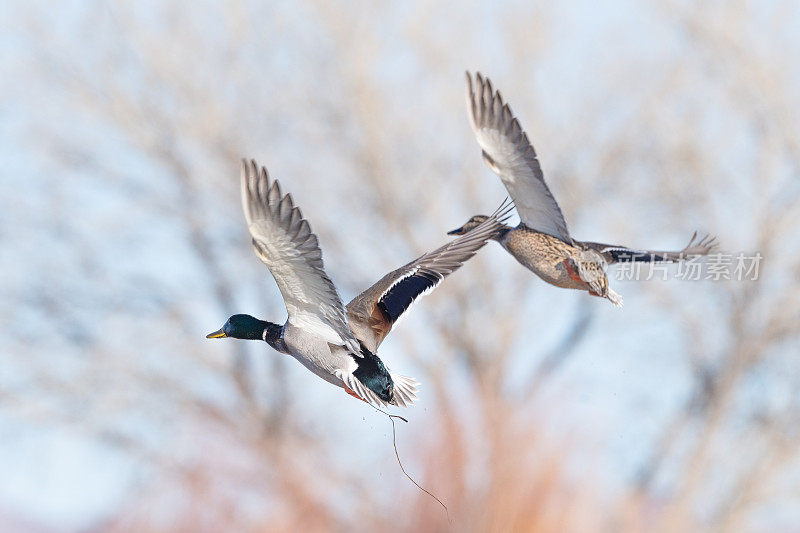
x=572 y=271
x=352 y=393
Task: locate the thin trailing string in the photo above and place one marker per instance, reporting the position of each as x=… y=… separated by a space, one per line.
x=399 y=462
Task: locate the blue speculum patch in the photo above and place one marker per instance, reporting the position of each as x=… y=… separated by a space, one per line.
x=400 y=297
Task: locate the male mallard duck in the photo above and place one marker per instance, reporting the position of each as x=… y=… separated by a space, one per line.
x=340 y=348
x=541 y=241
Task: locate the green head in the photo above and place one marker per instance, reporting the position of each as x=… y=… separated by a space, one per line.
x=243 y=327
x=471 y=224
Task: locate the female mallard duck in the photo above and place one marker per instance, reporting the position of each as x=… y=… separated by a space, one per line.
x=541 y=241
x=339 y=347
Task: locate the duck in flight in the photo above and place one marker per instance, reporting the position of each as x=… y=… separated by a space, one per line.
x=541 y=241
x=337 y=345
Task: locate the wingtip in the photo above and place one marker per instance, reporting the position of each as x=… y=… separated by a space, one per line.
x=710 y=242
x=704 y=246
x=250 y=172
x=503 y=213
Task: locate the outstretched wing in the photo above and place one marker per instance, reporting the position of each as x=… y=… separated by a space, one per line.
x=509 y=154
x=373 y=312
x=283 y=240
x=622 y=254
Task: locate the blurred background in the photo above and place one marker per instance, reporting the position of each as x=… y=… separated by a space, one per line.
x=122 y=243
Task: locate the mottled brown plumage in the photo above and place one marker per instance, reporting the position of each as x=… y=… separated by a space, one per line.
x=541 y=242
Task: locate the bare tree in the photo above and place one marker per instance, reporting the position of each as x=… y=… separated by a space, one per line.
x=134 y=126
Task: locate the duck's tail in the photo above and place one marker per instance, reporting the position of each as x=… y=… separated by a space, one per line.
x=614 y=297
x=405 y=390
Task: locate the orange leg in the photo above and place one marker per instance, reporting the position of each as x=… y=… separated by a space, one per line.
x=352 y=393
x=574 y=275
x=571 y=271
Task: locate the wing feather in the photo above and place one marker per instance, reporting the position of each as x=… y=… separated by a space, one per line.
x=283 y=240
x=613 y=253
x=373 y=312
x=507 y=151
